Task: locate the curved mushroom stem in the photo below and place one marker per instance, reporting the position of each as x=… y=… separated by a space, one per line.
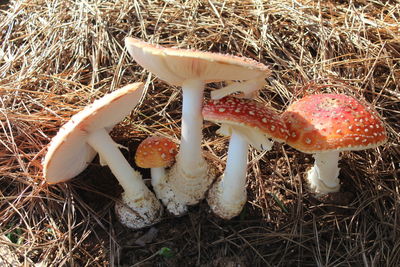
x=140 y=207
x=228 y=195
x=323 y=176
x=108 y=150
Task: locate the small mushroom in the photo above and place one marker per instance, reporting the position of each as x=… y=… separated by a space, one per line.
x=85 y=135
x=324 y=125
x=191 y=176
x=246 y=122
x=157 y=153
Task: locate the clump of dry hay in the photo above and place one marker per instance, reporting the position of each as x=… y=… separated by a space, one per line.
x=58 y=56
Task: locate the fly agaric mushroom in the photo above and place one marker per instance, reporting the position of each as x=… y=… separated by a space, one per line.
x=246 y=122
x=157 y=153
x=85 y=135
x=324 y=125
x=191 y=176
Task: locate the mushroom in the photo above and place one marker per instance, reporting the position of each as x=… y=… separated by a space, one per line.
x=246 y=122
x=85 y=135
x=191 y=176
x=324 y=125
x=157 y=153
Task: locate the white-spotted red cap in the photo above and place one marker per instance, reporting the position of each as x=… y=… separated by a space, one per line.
x=328 y=122
x=156 y=152
x=68 y=153
x=175 y=66
x=246 y=114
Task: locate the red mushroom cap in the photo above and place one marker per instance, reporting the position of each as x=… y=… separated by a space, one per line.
x=326 y=122
x=155 y=152
x=241 y=112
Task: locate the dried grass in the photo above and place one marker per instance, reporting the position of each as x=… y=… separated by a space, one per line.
x=58 y=56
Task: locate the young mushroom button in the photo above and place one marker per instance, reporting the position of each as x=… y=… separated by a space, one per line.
x=246 y=122
x=85 y=135
x=324 y=125
x=191 y=176
x=157 y=153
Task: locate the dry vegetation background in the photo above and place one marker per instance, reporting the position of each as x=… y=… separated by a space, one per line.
x=58 y=56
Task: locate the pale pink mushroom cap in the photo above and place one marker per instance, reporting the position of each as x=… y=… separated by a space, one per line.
x=332 y=122
x=68 y=153
x=175 y=66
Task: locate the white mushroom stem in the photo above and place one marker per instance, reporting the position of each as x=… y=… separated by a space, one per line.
x=233 y=183
x=192 y=123
x=157 y=176
x=189 y=178
x=228 y=194
x=323 y=176
x=109 y=152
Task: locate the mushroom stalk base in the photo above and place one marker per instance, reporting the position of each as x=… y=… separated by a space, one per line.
x=323 y=176
x=183 y=189
x=139 y=207
x=228 y=194
x=137 y=213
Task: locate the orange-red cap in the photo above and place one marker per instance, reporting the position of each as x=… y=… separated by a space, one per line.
x=156 y=152
x=246 y=113
x=327 y=122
